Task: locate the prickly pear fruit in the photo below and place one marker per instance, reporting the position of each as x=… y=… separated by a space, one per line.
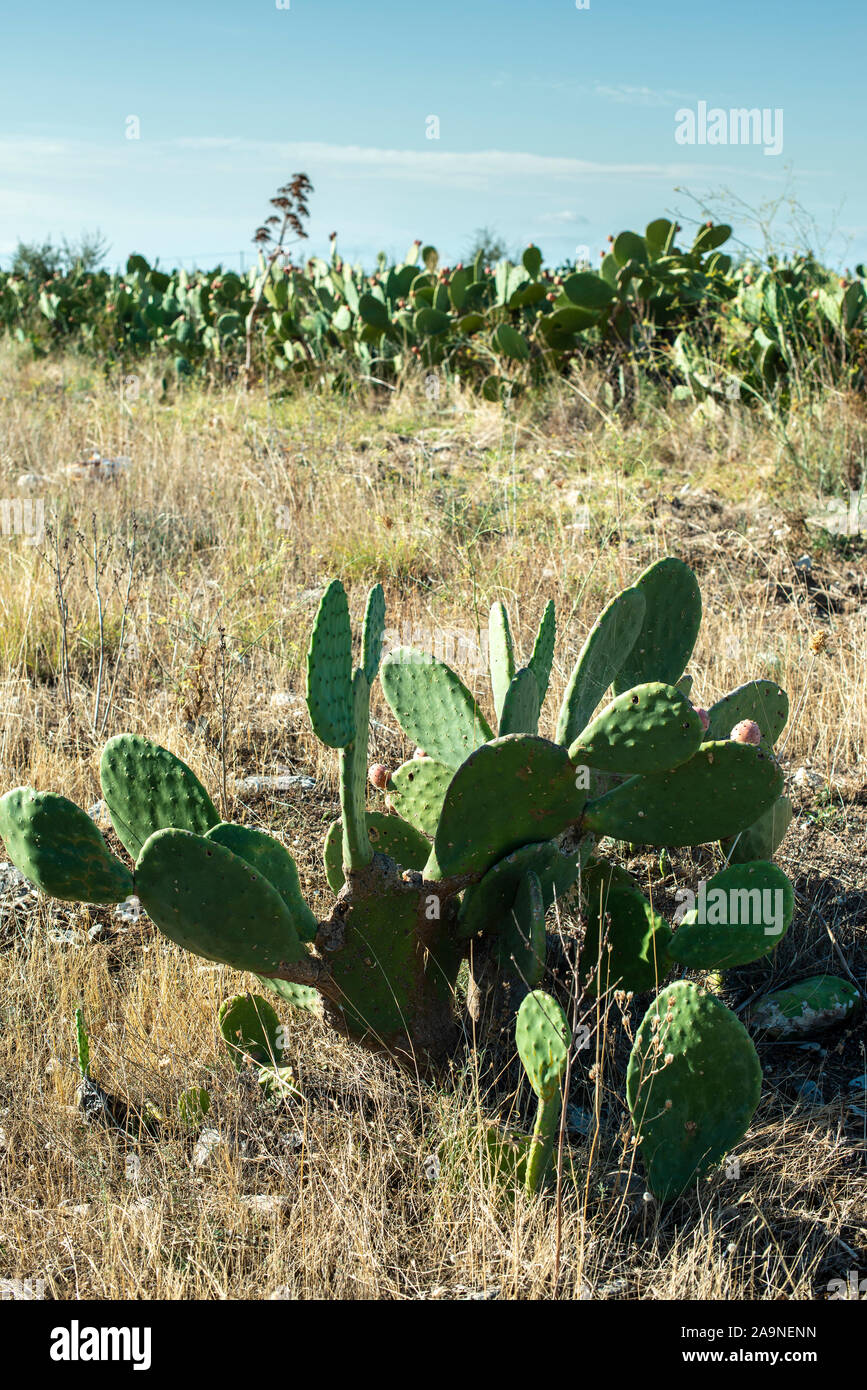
x=747 y=731
x=378 y=776
x=703 y=716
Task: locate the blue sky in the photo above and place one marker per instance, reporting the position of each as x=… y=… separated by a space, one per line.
x=556 y=124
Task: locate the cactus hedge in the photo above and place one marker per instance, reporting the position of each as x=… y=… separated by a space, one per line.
x=478 y=835
x=688 y=313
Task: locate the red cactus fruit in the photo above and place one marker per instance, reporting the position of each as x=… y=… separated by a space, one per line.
x=378 y=776
x=747 y=731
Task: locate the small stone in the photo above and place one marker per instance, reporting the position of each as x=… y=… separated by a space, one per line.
x=207 y=1144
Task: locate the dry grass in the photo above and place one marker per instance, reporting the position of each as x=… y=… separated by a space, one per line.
x=244 y=508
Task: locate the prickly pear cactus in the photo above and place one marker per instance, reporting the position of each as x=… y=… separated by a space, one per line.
x=467 y=845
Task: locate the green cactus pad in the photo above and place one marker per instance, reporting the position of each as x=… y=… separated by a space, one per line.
x=486 y=903
x=250 y=1029
x=388 y=835
x=762 y=839
x=672 y=619
x=521 y=939
x=608 y=644
x=520 y=713
x=146 y=788
x=329 y=670
x=722 y=787
x=433 y=706
x=544 y=1037
x=274 y=862
x=299 y=996
x=690 y=1110
x=416 y=791
x=353 y=779
x=373 y=632
x=763 y=701
x=747 y=910
x=634 y=937
x=650 y=728
x=193 y=1106
x=543 y=650
x=214 y=904
x=57 y=846
x=513 y=791
x=808 y=1007
x=501 y=654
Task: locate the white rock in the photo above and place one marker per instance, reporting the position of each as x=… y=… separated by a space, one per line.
x=806 y=779
x=207 y=1144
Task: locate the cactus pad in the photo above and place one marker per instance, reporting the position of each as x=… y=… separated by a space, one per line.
x=520 y=714
x=388 y=835
x=521 y=938
x=501 y=655
x=513 y=791
x=57 y=846
x=608 y=644
x=146 y=788
x=212 y=903
x=650 y=728
x=672 y=618
x=250 y=1029
x=416 y=791
x=693 y=1084
x=274 y=862
x=747 y=910
x=762 y=839
x=372 y=633
x=634 y=938
x=329 y=670
x=712 y=795
x=544 y=1037
x=808 y=1007
x=433 y=706
x=761 y=701
x=543 y=650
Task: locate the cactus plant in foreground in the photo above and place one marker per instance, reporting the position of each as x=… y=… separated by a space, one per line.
x=543 y=1037
x=482 y=830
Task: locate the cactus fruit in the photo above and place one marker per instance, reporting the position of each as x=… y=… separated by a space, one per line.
x=378 y=776
x=746 y=731
x=543 y=1037
x=704 y=717
x=693 y=1084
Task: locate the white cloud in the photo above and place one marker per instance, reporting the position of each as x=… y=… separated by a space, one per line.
x=564 y=219
x=639 y=96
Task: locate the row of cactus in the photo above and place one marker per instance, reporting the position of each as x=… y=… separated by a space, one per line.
x=483 y=829
x=707 y=326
